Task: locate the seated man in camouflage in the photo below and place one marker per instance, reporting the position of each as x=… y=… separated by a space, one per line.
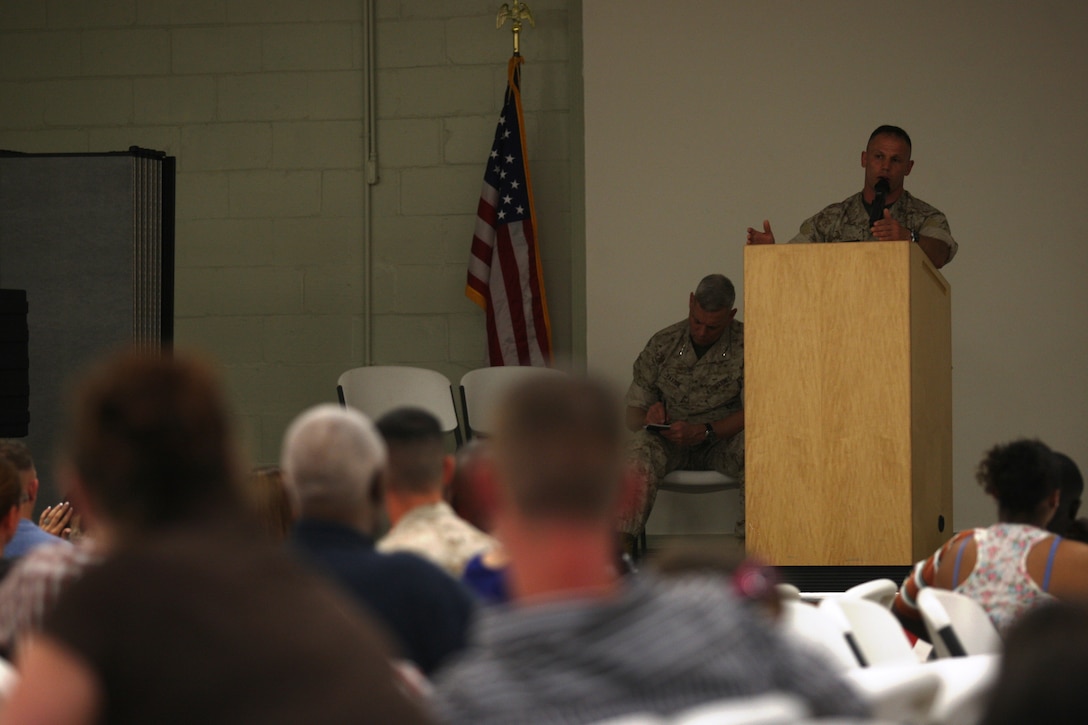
x=689 y=377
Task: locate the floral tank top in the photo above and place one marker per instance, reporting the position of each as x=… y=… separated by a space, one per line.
x=1000 y=581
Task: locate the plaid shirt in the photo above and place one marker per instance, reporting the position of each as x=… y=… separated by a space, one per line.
x=32 y=586
x=660 y=646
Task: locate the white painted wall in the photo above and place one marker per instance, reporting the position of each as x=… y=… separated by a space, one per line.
x=704 y=117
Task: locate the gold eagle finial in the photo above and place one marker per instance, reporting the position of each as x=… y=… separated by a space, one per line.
x=519 y=13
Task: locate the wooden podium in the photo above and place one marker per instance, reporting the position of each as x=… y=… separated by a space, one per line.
x=848 y=404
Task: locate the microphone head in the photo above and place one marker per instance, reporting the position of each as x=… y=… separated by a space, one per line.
x=882 y=186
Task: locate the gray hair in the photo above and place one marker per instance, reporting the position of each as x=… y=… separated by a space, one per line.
x=331 y=460
x=715 y=292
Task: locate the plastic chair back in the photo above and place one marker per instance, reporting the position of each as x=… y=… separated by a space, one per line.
x=875 y=630
x=881 y=591
x=483 y=389
x=957 y=624
x=966 y=686
x=820 y=631
x=771 y=709
x=685 y=481
x=378 y=389
x=899 y=693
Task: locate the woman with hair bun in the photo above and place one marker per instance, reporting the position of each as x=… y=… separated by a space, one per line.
x=1016 y=564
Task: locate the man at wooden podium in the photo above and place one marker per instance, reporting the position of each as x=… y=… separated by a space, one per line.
x=883 y=210
x=686 y=398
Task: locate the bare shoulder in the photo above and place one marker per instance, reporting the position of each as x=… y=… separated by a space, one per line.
x=1069 y=577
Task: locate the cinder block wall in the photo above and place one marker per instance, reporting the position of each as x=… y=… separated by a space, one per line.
x=441 y=76
x=261 y=101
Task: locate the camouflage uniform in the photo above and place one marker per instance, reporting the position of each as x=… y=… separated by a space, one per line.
x=696 y=390
x=438 y=534
x=848 y=221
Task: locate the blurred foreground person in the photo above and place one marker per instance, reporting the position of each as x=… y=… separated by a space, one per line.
x=474 y=496
x=579 y=644
x=193 y=616
x=1042 y=670
x=334 y=460
x=271 y=502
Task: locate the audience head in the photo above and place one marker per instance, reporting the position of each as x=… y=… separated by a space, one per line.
x=418 y=464
x=1042 y=669
x=1071 y=488
x=11 y=496
x=710 y=309
x=559 y=450
x=333 y=459
x=152 y=443
x=271 y=502
x=1023 y=477
x=473 y=488
x=18 y=455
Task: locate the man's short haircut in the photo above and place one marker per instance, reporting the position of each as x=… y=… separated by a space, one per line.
x=331 y=459
x=558 y=449
x=416 y=452
x=715 y=292
x=152 y=441
x=1020 y=475
x=17 y=454
x=11 y=487
x=887 y=130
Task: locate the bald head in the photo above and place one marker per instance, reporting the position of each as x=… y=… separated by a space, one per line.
x=332 y=458
x=558 y=449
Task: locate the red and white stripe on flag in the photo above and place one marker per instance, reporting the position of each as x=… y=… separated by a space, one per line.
x=504 y=273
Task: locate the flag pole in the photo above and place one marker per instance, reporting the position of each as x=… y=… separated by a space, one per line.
x=505 y=275
x=516 y=14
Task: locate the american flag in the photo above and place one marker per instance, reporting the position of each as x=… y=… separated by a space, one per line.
x=504 y=273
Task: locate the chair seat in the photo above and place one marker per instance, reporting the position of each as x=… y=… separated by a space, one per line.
x=683 y=481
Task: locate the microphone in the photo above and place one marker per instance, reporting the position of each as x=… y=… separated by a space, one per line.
x=876 y=212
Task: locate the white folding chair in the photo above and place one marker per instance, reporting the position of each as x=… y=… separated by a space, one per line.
x=881 y=591
x=685 y=481
x=873 y=630
x=820 y=631
x=482 y=389
x=637 y=718
x=788 y=592
x=770 y=709
x=378 y=389
x=965 y=689
x=9 y=677
x=957 y=624
x=897 y=693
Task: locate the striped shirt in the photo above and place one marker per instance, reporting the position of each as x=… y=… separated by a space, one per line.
x=659 y=646
x=32 y=587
